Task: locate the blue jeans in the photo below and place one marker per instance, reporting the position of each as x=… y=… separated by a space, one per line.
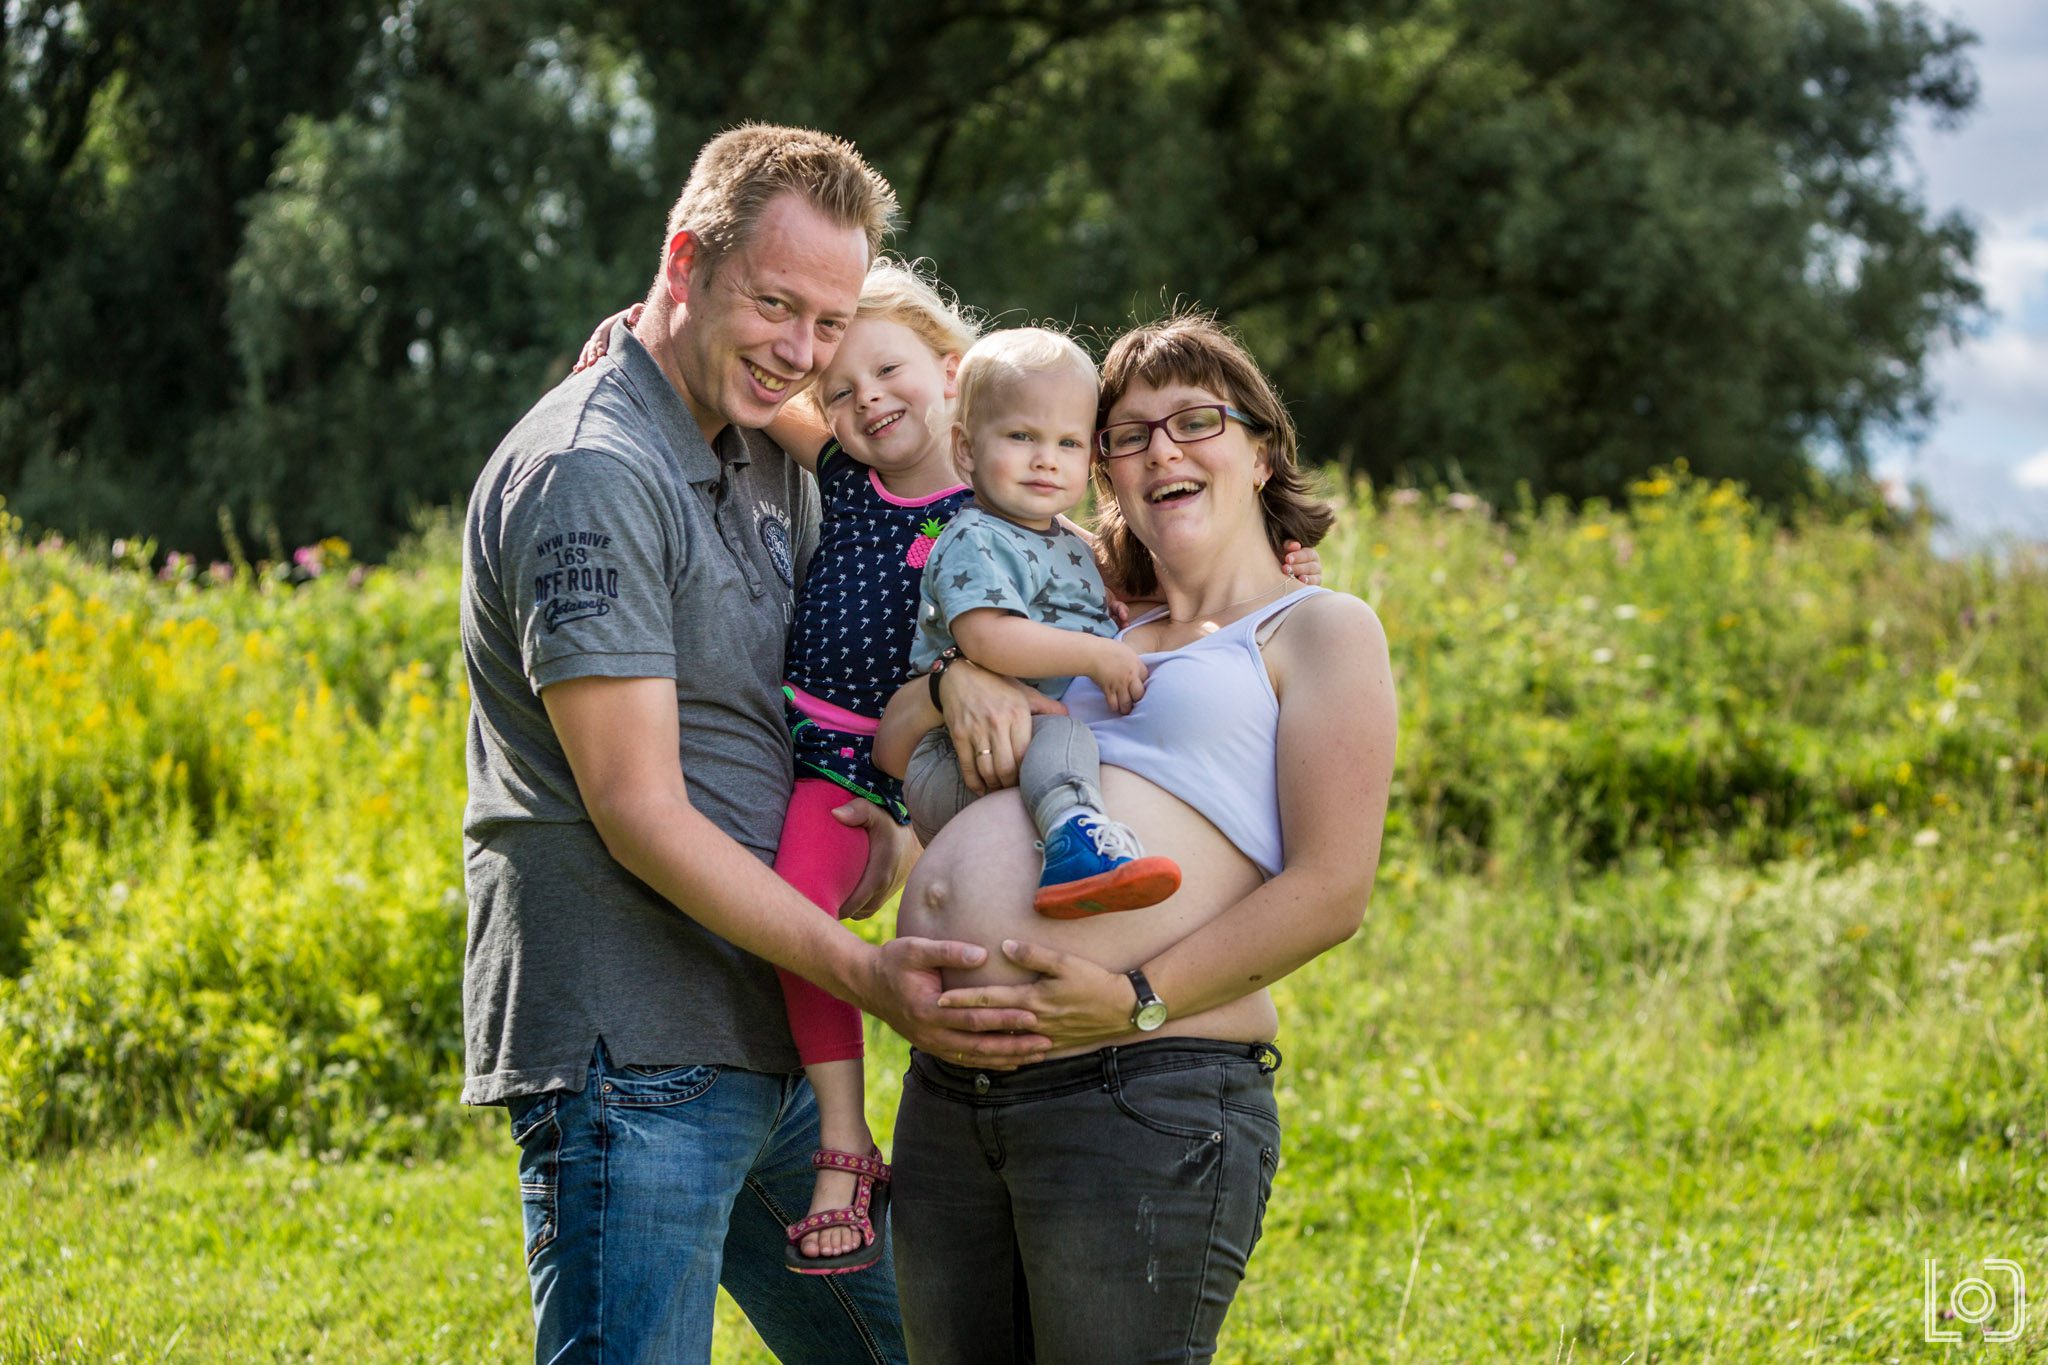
x=648 y=1189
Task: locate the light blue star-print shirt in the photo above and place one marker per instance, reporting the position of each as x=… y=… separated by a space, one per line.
x=983 y=560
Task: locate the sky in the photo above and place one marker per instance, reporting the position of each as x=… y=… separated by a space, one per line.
x=1985 y=462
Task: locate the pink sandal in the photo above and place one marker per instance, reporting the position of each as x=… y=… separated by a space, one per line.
x=868 y=1212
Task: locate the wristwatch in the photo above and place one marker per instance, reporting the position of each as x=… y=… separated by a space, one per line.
x=1150 y=1011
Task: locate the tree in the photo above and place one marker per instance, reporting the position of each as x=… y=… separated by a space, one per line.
x=1552 y=241
x=309 y=271
x=134 y=135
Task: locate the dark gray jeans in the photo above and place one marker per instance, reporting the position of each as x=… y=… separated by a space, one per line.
x=1094 y=1208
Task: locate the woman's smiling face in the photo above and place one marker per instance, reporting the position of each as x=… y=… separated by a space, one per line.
x=1186 y=497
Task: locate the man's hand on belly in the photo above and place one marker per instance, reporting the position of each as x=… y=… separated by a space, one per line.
x=905 y=995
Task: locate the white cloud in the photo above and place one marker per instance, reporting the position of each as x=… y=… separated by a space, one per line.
x=2012 y=261
x=1993 y=164
x=2004 y=372
x=1986 y=462
x=1983 y=501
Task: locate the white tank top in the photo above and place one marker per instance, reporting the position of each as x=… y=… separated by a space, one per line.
x=1207 y=730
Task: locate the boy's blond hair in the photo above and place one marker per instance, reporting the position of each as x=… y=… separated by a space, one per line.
x=741 y=171
x=1002 y=358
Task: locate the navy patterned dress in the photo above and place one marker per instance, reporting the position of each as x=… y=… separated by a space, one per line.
x=855 y=617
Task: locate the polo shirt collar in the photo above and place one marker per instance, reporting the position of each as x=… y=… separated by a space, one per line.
x=700 y=460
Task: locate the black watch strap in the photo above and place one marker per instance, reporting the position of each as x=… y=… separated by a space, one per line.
x=1150 y=1011
x=950 y=653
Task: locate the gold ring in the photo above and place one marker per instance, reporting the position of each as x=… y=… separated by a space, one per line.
x=986 y=752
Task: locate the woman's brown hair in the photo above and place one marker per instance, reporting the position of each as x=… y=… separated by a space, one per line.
x=1193 y=348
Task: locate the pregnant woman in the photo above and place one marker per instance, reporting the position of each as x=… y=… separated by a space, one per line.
x=1102 y=1204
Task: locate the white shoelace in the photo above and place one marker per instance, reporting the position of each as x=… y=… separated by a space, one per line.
x=1111 y=839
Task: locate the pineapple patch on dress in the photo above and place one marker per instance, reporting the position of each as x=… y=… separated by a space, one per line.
x=855 y=615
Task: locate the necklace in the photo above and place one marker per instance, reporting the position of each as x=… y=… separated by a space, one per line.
x=1188 y=621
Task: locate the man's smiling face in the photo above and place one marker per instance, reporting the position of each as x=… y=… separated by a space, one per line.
x=763 y=321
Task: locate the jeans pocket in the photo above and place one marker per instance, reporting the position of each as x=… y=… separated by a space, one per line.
x=1181 y=1103
x=1269 y=1165
x=539 y=1138
x=645 y=1087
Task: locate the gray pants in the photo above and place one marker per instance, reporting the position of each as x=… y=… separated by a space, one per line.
x=1062 y=769
x=1095 y=1210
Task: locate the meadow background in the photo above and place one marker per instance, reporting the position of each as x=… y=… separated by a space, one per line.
x=1701 y=998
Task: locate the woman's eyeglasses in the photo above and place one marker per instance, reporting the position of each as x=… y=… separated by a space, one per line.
x=1185 y=427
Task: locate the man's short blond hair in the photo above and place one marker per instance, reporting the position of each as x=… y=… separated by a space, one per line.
x=740 y=172
x=999 y=359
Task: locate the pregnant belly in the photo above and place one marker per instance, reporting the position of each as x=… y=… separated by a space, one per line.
x=976 y=881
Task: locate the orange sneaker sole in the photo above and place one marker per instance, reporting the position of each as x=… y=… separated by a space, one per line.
x=1137 y=884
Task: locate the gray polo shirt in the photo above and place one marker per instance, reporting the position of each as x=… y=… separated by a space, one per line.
x=606 y=538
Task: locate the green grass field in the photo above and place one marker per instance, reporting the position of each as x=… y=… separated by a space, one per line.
x=1700 y=1004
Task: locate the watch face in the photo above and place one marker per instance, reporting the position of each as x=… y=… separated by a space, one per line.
x=1151 y=1015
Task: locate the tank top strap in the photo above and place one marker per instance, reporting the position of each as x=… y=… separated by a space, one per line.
x=1254 y=621
x=1267 y=613
x=1147 y=619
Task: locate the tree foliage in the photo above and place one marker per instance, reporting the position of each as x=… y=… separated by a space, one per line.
x=307 y=270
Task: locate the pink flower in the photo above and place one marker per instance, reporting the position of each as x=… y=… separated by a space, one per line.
x=847 y=752
x=307 y=557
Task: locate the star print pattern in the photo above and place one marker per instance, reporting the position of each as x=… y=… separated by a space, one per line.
x=984 y=561
x=855 y=618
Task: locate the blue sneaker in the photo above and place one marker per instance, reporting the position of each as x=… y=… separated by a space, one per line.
x=1093 y=866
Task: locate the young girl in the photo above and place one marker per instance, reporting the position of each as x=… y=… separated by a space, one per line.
x=887 y=489
x=883 y=457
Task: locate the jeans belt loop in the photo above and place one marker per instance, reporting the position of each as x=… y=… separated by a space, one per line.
x=1109 y=1073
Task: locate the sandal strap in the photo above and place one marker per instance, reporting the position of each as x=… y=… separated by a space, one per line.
x=834 y=1218
x=873 y=1167
x=846 y=1215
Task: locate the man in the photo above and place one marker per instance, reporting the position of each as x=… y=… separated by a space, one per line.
x=631 y=556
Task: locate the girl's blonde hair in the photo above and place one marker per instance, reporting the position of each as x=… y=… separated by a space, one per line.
x=908 y=293
x=1001 y=358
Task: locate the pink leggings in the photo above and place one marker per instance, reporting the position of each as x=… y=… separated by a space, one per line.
x=823 y=859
